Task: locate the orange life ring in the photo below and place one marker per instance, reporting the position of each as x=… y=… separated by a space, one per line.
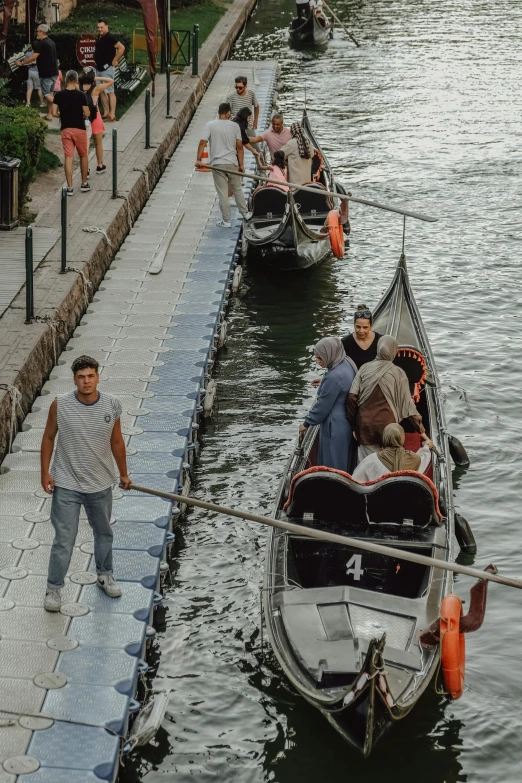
x=336 y=232
x=453 y=646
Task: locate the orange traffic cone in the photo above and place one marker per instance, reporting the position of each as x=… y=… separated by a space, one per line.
x=204 y=159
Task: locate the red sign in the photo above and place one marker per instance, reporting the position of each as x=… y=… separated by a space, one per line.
x=85 y=50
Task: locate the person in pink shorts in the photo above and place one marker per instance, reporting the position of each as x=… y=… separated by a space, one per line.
x=94 y=86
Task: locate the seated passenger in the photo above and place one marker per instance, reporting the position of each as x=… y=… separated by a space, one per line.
x=298 y=155
x=361 y=344
x=393 y=456
x=380 y=395
x=278 y=169
x=335 y=434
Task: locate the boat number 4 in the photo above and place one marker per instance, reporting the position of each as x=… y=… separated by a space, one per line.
x=353 y=566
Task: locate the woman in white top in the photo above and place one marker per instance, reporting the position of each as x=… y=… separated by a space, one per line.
x=393 y=457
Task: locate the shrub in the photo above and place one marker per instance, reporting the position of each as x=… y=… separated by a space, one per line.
x=22 y=135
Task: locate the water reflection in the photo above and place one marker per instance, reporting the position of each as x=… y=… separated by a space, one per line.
x=425 y=113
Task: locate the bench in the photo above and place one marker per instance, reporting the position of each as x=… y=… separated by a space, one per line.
x=127 y=76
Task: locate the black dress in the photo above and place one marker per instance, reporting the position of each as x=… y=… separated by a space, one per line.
x=357 y=354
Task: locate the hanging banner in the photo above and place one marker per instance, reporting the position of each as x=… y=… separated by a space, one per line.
x=150 y=22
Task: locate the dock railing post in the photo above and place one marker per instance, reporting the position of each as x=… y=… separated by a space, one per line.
x=63 y=263
x=29 y=296
x=147 y=119
x=114 y=163
x=195 y=50
x=169 y=115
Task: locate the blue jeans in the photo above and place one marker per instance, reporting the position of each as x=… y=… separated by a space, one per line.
x=65 y=515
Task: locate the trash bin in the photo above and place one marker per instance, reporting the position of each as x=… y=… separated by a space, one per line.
x=8 y=192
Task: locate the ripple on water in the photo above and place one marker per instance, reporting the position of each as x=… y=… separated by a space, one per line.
x=425 y=113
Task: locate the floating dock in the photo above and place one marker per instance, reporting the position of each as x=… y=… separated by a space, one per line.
x=68 y=681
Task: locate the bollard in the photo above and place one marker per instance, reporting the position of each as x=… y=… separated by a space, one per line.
x=63 y=265
x=147 y=119
x=195 y=50
x=169 y=115
x=29 y=298
x=114 y=163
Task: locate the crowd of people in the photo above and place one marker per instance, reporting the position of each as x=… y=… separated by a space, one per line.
x=363 y=404
x=291 y=152
x=76 y=98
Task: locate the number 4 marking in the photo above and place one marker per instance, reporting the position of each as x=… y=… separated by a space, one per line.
x=353 y=566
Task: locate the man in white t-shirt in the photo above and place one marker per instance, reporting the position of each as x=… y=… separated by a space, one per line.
x=226 y=158
x=275 y=137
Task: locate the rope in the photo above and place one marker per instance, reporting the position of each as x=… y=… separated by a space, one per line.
x=86 y=283
x=53 y=324
x=144 y=171
x=16 y=404
x=96 y=230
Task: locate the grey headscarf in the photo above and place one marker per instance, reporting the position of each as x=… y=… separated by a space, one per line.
x=331 y=351
x=391 y=379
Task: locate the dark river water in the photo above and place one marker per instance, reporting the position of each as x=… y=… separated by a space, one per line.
x=425 y=114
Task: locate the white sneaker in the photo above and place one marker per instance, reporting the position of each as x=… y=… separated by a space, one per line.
x=53 y=600
x=247 y=215
x=109 y=585
x=224 y=223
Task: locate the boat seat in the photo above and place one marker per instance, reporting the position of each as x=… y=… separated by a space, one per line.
x=334 y=496
x=414 y=365
x=310 y=203
x=268 y=201
x=328 y=495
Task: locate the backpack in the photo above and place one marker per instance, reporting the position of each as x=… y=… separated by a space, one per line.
x=92 y=108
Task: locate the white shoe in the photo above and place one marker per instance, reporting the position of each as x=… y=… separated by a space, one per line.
x=247 y=215
x=109 y=585
x=53 y=600
x=224 y=223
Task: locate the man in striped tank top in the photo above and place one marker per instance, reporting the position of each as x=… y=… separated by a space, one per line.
x=90 y=442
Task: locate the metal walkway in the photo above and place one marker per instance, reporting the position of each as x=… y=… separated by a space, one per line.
x=68 y=680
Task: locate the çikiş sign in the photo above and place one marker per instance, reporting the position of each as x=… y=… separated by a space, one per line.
x=85 y=50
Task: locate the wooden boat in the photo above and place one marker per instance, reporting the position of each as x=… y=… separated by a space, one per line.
x=357 y=633
x=288 y=230
x=313 y=31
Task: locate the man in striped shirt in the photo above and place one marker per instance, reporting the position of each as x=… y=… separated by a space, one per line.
x=244 y=97
x=90 y=442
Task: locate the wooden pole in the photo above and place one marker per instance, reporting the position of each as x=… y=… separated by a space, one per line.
x=341 y=24
x=322 y=535
x=342 y=196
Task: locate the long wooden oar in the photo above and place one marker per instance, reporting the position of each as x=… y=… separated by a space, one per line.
x=341 y=24
x=342 y=196
x=322 y=535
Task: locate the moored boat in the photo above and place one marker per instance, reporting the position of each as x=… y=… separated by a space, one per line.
x=289 y=229
x=313 y=31
x=358 y=633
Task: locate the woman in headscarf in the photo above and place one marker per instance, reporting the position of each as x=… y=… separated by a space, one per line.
x=380 y=395
x=329 y=410
x=298 y=155
x=393 y=457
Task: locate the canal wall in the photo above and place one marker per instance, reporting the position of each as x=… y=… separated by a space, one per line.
x=27 y=351
x=69 y=680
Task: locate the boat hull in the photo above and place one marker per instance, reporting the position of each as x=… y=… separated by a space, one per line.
x=320 y=632
x=310 y=33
